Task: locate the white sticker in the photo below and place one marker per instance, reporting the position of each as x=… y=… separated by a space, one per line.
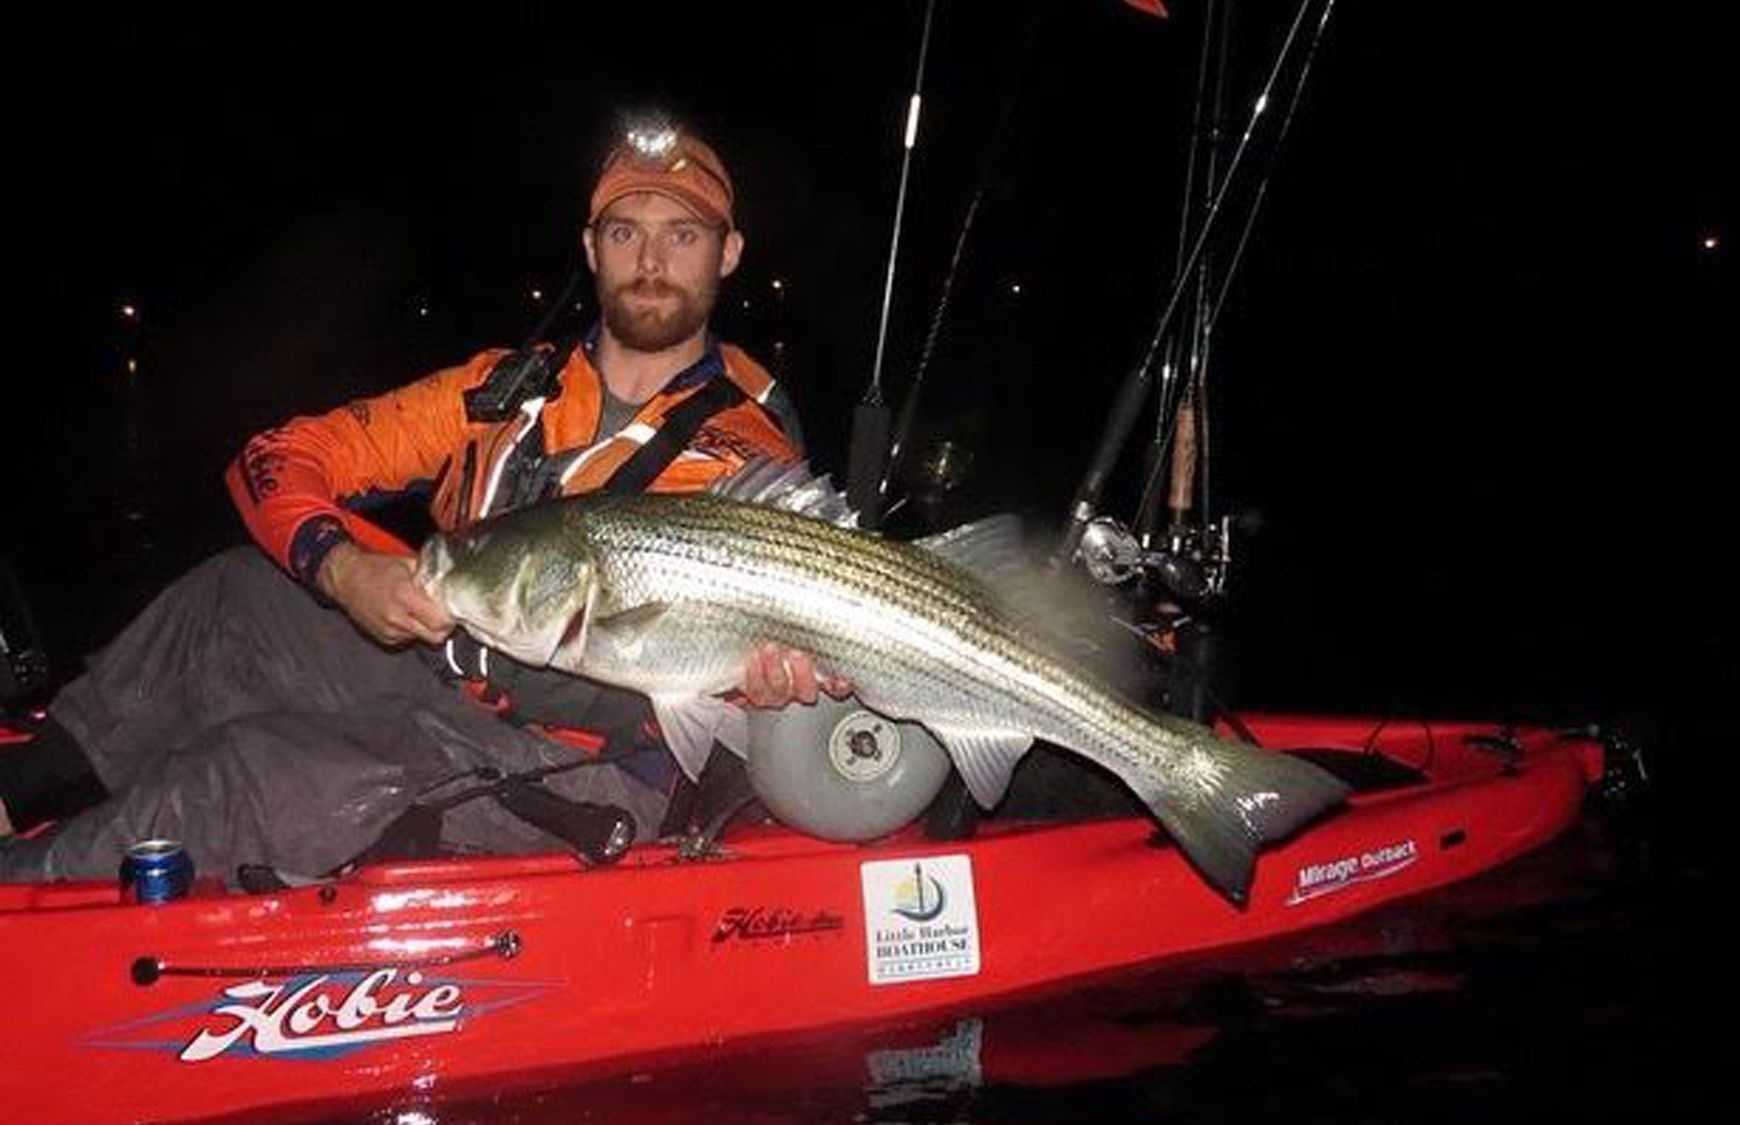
x=921 y=920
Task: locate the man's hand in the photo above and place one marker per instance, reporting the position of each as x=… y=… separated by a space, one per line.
x=774 y=676
x=381 y=596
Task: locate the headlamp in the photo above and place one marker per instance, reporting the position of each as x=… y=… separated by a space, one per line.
x=651 y=139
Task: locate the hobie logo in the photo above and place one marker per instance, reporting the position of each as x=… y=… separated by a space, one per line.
x=920 y=898
x=315 y=1014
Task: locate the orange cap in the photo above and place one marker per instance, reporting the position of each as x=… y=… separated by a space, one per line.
x=679 y=166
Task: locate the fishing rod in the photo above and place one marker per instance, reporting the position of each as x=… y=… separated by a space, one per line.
x=868 y=450
x=1269 y=171
x=993 y=150
x=1208 y=313
x=1134 y=391
x=1178 y=404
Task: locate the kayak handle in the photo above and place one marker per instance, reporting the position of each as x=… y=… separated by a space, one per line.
x=148 y=969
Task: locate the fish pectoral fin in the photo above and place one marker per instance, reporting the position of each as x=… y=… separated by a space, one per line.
x=986 y=758
x=570 y=650
x=625 y=631
x=691 y=724
x=634 y=618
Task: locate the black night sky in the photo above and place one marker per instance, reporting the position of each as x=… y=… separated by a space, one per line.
x=1466 y=382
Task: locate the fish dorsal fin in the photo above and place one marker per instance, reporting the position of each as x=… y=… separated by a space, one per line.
x=788 y=486
x=986 y=758
x=990 y=549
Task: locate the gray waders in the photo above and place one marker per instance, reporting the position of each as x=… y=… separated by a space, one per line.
x=243 y=718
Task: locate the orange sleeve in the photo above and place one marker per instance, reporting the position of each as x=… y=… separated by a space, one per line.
x=290 y=483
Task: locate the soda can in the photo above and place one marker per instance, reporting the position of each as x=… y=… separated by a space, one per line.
x=156 y=871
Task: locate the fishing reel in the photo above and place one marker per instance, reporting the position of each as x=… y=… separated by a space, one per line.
x=1192 y=562
x=1171 y=588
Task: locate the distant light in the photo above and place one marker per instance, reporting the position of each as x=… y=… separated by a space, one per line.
x=537 y=294
x=745 y=304
x=1711 y=242
x=132 y=367
x=1015 y=288
x=129 y=312
x=422 y=310
x=778 y=284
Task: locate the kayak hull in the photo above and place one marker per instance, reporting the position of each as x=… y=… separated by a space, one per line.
x=412 y=978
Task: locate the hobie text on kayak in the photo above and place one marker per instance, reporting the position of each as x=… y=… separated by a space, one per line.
x=312 y=1014
x=756 y=922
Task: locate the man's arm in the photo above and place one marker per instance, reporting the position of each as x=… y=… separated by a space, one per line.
x=290 y=482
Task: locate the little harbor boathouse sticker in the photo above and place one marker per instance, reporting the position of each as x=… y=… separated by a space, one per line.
x=921 y=920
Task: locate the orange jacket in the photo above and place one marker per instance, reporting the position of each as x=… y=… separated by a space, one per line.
x=291 y=483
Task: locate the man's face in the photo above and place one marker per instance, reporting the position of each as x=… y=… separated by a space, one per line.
x=658 y=269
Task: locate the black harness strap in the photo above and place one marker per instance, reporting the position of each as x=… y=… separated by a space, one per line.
x=680 y=426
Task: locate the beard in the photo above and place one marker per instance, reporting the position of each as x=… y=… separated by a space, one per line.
x=653 y=328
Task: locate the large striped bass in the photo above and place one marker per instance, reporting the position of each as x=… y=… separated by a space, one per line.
x=668 y=594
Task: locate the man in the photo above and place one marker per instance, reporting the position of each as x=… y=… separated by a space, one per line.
x=256 y=723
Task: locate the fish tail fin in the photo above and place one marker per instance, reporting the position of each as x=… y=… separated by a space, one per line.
x=1262 y=796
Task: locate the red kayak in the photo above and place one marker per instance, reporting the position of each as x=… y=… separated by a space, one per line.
x=410 y=978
